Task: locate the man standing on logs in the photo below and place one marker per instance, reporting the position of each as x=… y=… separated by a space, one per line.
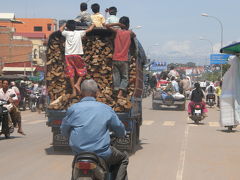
x=120 y=56
x=73 y=52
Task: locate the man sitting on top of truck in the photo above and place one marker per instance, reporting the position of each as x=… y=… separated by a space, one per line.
x=84 y=18
x=122 y=43
x=97 y=18
x=73 y=52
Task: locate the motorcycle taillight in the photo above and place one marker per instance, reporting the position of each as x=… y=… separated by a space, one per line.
x=198 y=106
x=85 y=165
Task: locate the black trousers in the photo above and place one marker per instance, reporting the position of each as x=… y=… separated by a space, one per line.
x=118 y=162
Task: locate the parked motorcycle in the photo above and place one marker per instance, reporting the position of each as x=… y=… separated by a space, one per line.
x=211 y=99
x=197 y=113
x=6 y=129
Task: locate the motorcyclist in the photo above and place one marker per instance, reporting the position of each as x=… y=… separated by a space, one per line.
x=87 y=126
x=5 y=94
x=210 y=90
x=197 y=96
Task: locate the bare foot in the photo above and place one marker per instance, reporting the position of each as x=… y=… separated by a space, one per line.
x=21 y=132
x=120 y=94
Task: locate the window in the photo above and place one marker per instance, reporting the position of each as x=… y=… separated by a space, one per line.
x=37 y=28
x=49 y=27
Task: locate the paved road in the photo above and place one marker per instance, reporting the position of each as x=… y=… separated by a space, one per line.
x=172 y=148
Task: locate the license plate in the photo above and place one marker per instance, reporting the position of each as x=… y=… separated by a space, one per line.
x=198 y=111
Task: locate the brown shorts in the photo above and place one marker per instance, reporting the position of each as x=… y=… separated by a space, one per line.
x=75 y=63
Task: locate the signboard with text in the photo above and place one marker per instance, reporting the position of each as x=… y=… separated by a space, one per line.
x=158 y=66
x=219 y=58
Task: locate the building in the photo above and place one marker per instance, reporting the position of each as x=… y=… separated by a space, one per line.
x=12 y=50
x=37 y=30
x=30 y=27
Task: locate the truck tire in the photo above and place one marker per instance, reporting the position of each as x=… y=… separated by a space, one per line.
x=155 y=106
x=182 y=107
x=133 y=145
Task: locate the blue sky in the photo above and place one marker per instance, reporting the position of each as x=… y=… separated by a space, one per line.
x=172 y=24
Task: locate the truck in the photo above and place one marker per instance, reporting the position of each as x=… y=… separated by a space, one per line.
x=131 y=118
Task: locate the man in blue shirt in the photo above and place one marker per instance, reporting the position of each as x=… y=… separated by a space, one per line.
x=87 y=125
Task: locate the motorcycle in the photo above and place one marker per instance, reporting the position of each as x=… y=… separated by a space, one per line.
x=34 y=101
x=89 y=166
x=6 y=129
x=211 y=99
x=197 y=113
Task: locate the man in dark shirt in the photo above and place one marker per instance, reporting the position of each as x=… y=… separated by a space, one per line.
x=197 y=96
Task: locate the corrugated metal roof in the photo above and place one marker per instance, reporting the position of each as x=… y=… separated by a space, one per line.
x=19 y=69
x=7 y=16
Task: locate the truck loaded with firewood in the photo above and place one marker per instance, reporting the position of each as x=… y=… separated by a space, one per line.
x=98 y=51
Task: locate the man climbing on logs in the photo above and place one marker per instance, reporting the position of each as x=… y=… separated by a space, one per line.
x=73 y=52
x=120 y=56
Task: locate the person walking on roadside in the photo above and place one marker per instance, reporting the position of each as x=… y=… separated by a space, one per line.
x=219 y=93
x=120 y=58
x=87 y=125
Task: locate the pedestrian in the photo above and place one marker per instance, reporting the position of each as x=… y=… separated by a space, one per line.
x=113 y=15
x=84 y=18
x=73 y=54
x=185 y=83
x=122 y=43
x=173 y=72
x=219 y=93
x=97 y=18
x=87 y=125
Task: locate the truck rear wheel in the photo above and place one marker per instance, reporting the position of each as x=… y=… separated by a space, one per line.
x=182 y=107
x=155 y=106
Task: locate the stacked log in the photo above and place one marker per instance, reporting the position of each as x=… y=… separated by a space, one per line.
x=98 y=57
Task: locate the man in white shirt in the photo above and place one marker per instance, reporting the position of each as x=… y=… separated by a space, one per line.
x=73 y=52
x=5 y=94
x=84 y=17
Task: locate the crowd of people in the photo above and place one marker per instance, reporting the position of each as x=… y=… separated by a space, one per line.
x=197 y=92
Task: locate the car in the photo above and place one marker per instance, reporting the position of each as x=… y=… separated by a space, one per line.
x=161 y=98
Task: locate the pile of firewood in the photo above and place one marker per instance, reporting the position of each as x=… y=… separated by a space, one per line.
x=98 y=57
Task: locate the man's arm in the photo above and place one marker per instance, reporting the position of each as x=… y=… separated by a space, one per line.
x=133 y=35
x=116 y=125
x=62 y=27
x=66 y=123
x=90 y=28
x=111 y=26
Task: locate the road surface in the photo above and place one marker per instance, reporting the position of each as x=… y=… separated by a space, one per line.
x=171 y=148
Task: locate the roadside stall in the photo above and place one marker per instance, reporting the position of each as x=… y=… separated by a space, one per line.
x=230 y=98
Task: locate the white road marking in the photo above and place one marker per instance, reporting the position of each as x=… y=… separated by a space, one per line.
x=182 y=155
x=169 y=123
x=148 y=123
x=214 y=124
x=35 y=122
